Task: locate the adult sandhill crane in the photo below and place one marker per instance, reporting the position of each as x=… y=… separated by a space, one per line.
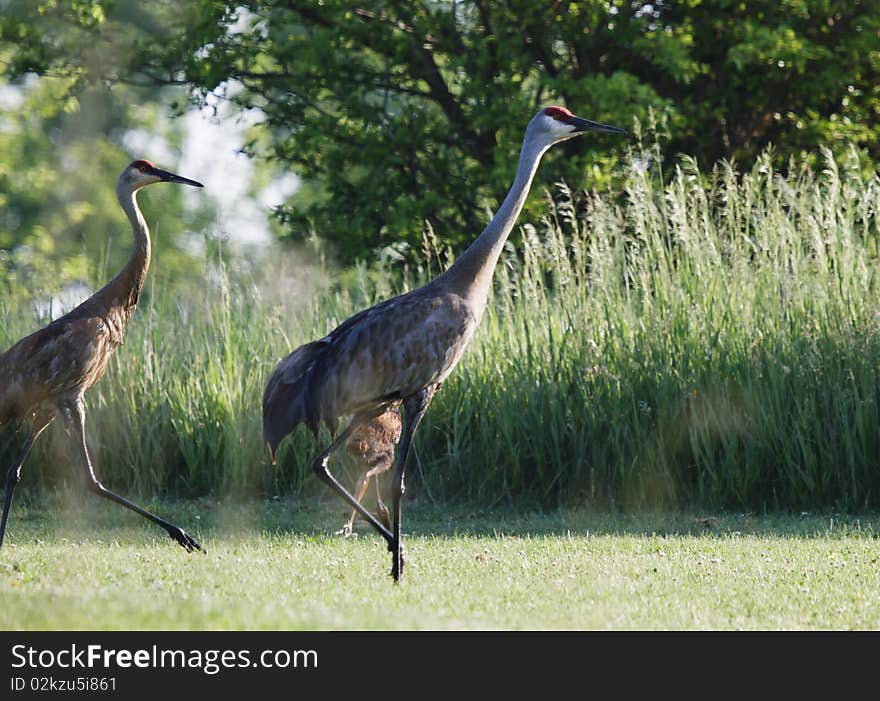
x=400 y=351
x=47 y=373
x=372 y=444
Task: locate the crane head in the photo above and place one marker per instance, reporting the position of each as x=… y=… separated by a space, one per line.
x=553 y=124
x=142 y=172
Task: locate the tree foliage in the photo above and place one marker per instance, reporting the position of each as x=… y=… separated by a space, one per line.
x=397 y=113
x=63 y=142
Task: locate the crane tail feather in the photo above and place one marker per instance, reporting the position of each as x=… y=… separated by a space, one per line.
x=288 y=400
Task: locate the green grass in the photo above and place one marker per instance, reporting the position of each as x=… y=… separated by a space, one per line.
x=274 y=565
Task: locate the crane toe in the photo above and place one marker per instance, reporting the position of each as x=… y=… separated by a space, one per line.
x=183 y=538
x=345 y=531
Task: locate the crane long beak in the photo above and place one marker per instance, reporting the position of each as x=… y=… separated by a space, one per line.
x=172 y=178
x=581 y=124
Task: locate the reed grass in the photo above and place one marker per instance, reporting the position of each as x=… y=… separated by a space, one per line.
x=710 y=339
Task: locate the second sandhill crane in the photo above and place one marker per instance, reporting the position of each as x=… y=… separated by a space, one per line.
x=400 y=351
x=46 y=374
x=372 y=445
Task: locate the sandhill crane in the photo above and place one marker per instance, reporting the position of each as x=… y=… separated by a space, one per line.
x=400 y=351
x=47 y=373
x=372 y=444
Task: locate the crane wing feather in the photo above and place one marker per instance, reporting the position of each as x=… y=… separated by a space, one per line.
x=65 y=357
x=285 y=400
x=370 y=361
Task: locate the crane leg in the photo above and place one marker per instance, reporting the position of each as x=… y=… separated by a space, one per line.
x=364 y=482
x=319 y=467
x=13 y=476
x=75 y=418
x=414 y=409
x=381 y=509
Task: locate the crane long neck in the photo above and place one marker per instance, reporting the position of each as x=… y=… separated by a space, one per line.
x=128 y=283
x=471 y=275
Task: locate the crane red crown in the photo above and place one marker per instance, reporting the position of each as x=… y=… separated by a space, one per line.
x=559 y=113
x=143 y=165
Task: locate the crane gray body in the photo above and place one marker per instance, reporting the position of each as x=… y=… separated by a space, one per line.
x=47 y=373
x=369 y=363
x=399 y=352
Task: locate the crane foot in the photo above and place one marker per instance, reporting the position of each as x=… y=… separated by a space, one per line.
x=185 y=540
x=384 y=515
x=397 y=563
x=345 y=531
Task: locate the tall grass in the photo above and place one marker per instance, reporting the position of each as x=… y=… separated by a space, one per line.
x=709 y=340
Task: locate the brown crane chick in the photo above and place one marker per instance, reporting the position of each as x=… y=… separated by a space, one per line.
x=400 y=351
x=372 y=444
x=46 y=374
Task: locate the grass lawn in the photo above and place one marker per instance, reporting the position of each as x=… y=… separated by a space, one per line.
x=83 y=564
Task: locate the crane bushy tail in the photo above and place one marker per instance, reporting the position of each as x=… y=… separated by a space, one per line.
x=287 y=399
